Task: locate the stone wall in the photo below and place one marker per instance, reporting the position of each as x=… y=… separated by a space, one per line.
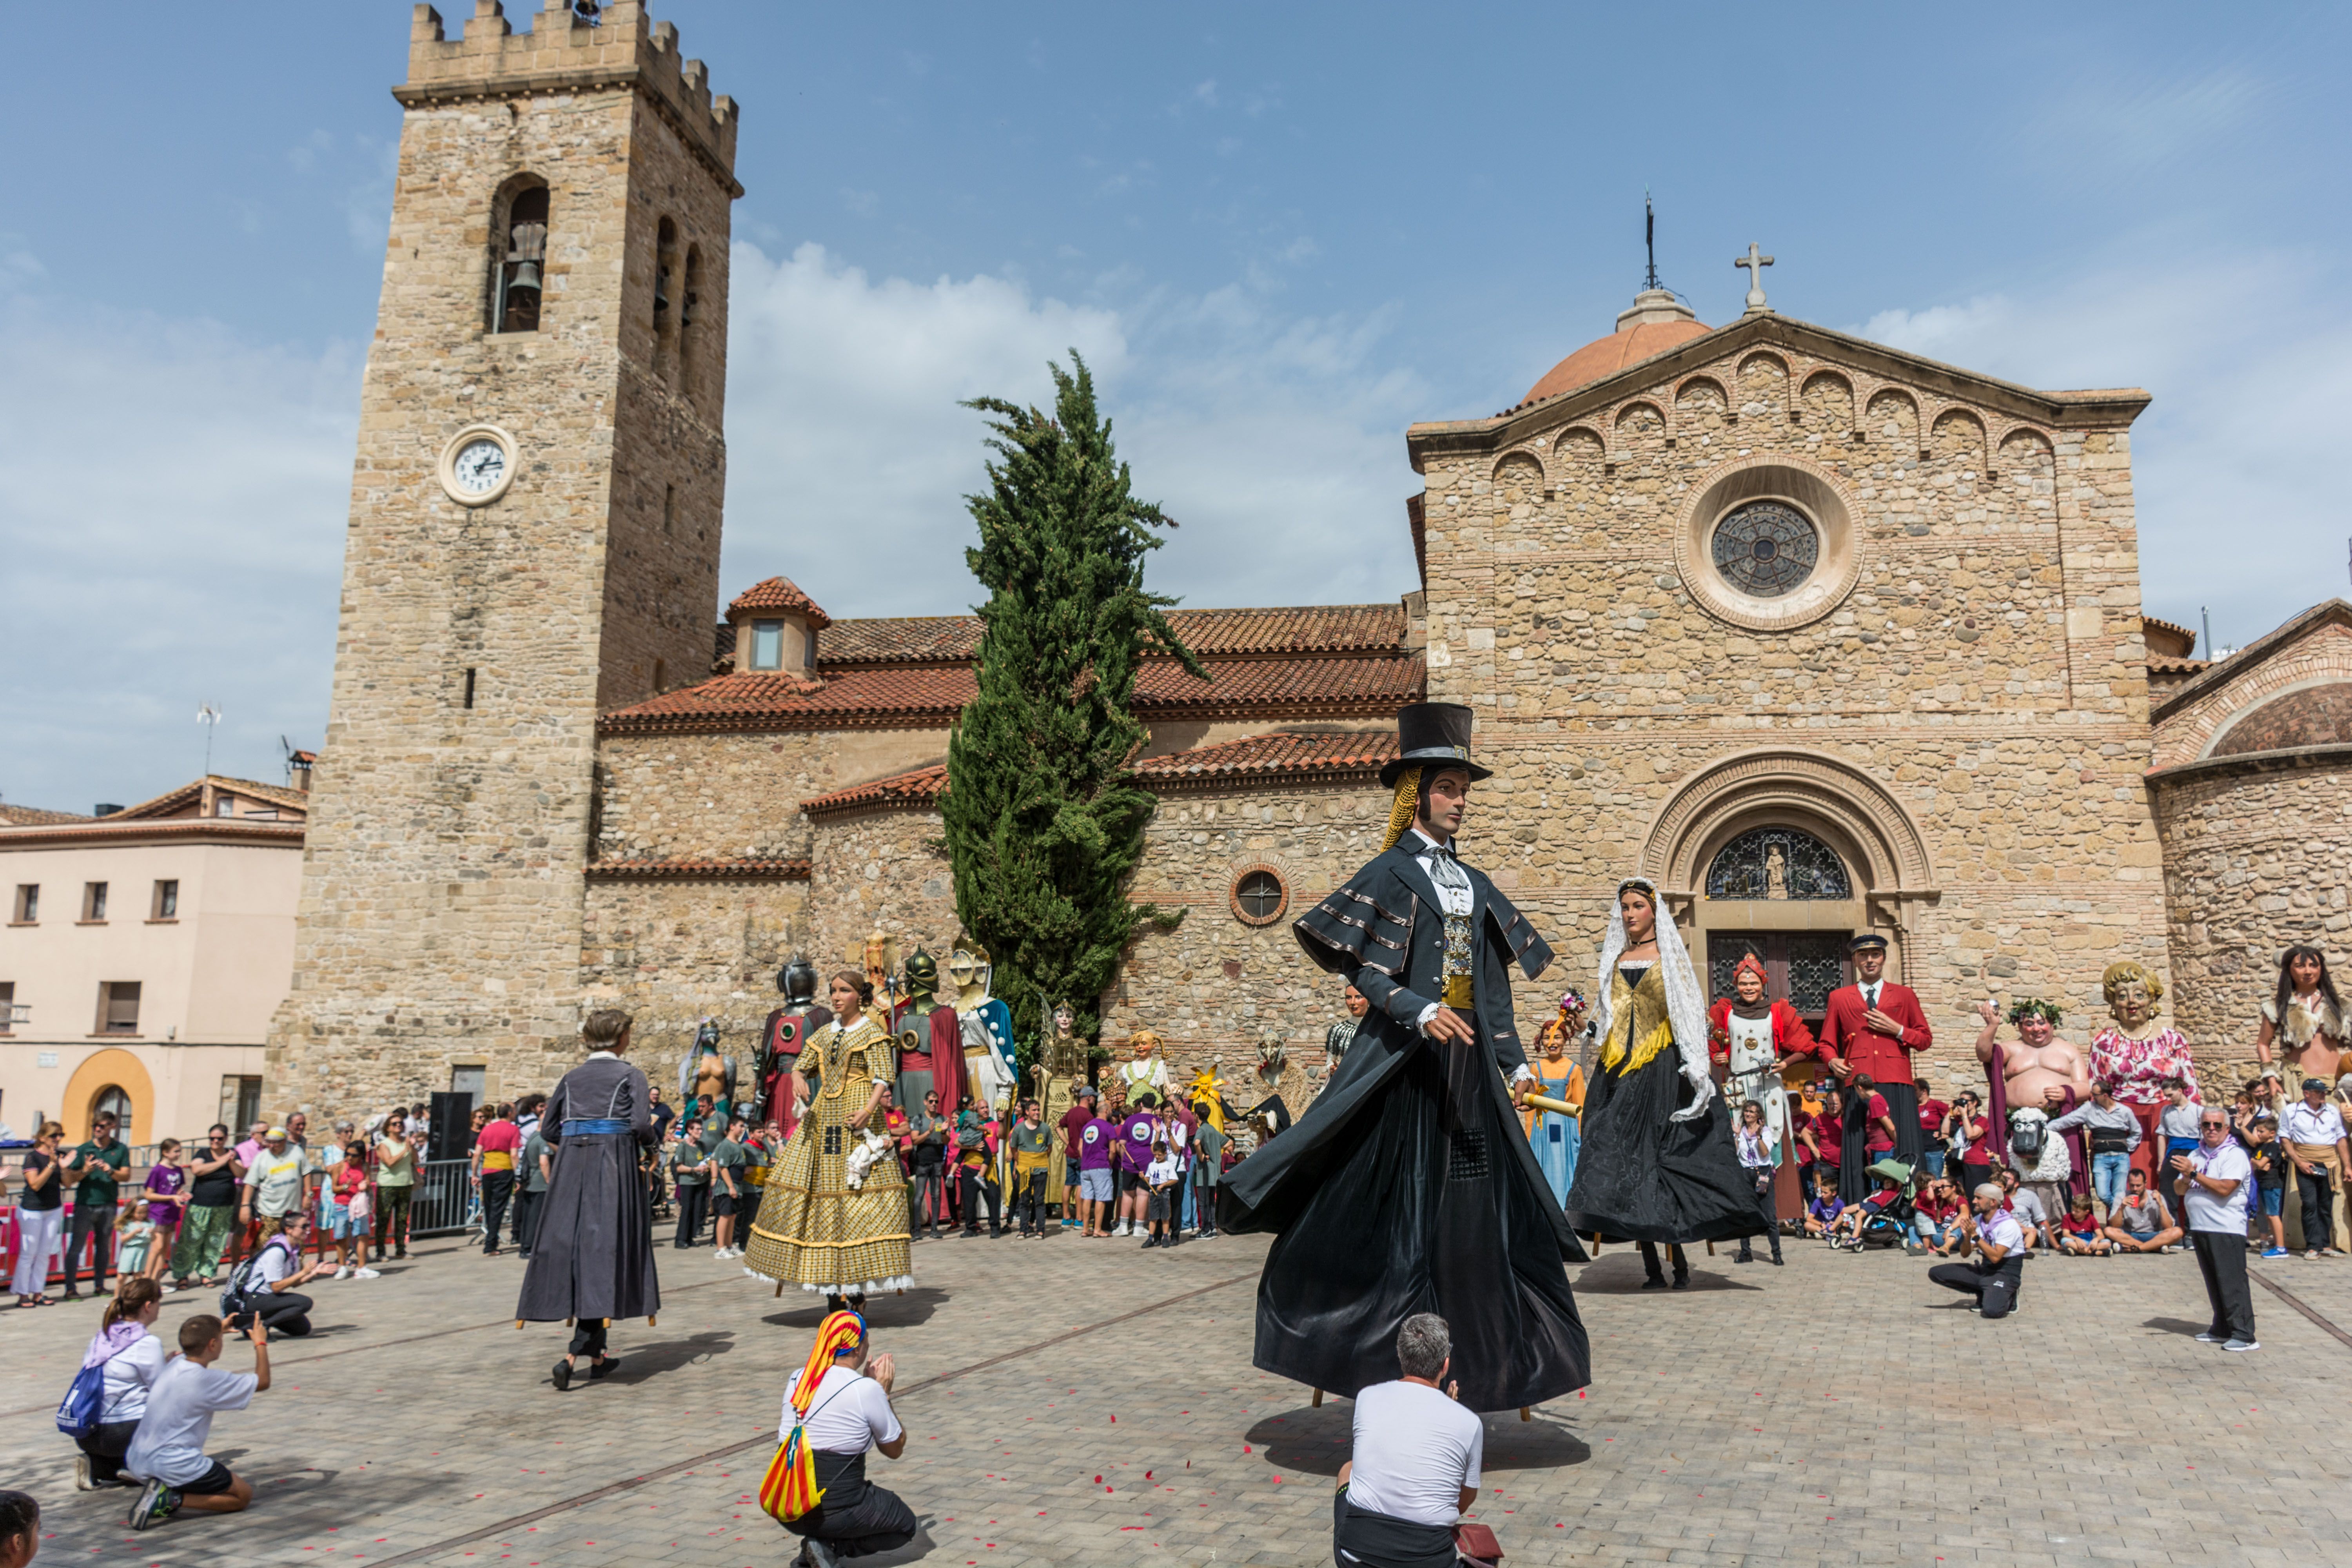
x=2254 y=861
x=886 y=868
x=673 y=951
x=1212 y=985
x=664 y=797
x=1982 y=680
x=441 y=913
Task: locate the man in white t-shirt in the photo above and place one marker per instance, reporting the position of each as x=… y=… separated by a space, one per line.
x=850 y=1415
x=1415 y=1464
x=169 y=1449
x=2214 y=1180
x=1994 y=1276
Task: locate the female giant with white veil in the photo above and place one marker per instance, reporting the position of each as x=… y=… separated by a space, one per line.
x=1658 y=1165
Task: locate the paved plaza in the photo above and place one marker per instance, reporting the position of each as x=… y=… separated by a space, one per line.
x=1077 y=1402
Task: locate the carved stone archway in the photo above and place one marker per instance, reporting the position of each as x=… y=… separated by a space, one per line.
x=1891 y=873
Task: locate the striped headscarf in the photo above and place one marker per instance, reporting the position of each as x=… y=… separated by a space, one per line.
x=789 y=1489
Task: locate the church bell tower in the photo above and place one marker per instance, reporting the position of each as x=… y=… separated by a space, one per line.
x=533 y=537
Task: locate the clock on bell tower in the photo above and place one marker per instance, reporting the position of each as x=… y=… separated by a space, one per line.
x=533 y=536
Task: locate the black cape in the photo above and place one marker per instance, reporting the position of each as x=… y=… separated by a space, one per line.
x=1408 y=1185
x=593 y=1254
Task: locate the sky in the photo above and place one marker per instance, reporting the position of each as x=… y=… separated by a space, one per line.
x=1279 y=236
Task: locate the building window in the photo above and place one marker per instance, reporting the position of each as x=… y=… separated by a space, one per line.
x=224 y=805
x=240 y=1103
x=27 y=910
x=1767 y=548
x=167 y=900
x=1258 y=897
x=1777 y=863
x=113 y=1101
x=687 y=338
x=521 y=266
x=118 y=1007
x=7 y=1006
x=93 y=902
x=665 y=320
x=767 y=645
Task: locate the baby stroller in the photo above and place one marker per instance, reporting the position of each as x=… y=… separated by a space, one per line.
x=1888 y=1224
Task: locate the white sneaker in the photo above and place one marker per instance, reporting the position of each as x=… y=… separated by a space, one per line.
x=2243 y=1345
x=365 y=1274
x=343 y=1273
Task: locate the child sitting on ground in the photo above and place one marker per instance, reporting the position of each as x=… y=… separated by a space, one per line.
x=1822 y=1212
x=2080 y=1235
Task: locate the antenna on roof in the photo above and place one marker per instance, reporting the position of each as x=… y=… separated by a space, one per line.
x=1650 y=238
x=2206 y=616
x=209 y=717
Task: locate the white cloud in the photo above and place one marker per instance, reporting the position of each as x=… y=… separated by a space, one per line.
x=172 y=503
x=1276 y=442
x=2234 y=466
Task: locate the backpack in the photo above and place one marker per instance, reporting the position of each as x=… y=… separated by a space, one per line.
x=85 y=1398
x=240 y=1278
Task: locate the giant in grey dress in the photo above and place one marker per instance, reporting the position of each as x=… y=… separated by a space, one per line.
x=593 y=1255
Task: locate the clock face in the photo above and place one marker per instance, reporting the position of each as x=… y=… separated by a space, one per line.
x=479 y=466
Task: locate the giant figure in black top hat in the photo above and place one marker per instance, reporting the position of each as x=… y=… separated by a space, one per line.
x=1408 y=1185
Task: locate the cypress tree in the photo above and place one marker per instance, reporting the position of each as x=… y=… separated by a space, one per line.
x=1044 y=818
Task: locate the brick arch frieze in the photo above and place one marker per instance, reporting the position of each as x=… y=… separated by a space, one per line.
x=1895 y=861
x=2326 y=656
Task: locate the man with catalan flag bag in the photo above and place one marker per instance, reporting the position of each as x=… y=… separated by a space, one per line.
x=835 y=1408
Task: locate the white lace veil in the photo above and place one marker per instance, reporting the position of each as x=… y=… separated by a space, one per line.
x=1685 y=1002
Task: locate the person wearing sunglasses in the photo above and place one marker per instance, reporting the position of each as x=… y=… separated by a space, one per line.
x=2214 y=1180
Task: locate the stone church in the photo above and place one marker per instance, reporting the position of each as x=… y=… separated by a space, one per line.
x=1818 y=633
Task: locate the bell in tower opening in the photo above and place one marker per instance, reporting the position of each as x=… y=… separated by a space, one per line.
x=520 y=275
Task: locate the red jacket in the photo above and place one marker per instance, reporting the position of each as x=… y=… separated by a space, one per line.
x=1844 y=1033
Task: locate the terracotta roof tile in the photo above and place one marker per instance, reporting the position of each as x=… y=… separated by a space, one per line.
x=1294 y=629
x=1271 y=688
x=1251 y=757
x=173 y=802
x=700 y=870
x=2159 y=665
x=780 y=594
x=34 y=816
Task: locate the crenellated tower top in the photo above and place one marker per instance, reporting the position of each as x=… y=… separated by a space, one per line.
x=566 y=53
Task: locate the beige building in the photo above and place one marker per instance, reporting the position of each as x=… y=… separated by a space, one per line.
x=1820 y=635
x=144 y=953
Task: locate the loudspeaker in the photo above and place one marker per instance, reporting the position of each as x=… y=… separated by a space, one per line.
x=451 y=1116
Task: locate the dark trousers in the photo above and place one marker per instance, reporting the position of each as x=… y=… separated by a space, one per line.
x=2318 y=1223
x=527 y=1218
x=588 y=1337
x=856 y=1518
x=1910 y=1139
x=284 y=1312
x=2222 y=1259
x=96 y=1221
x=1376 y=1541
x=927 y=1198
x=974 y=1185
x=1650 y=1261
x=106 y=1443
x=1204 y=1200
x=1767 y=1204
x=1029 y=1203
x=693 y=1200
x=392 y=1219
x=497 y=1189
x=1993 y=1284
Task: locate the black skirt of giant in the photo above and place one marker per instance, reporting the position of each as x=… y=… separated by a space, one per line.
x=1642 y=1176
x=1408 y=1185
x=592 y=1255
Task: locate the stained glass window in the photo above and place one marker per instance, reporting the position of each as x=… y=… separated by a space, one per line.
x=1766 y=548
x=1777 y=863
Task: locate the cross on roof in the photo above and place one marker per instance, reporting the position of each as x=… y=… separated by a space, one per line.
x=1755 y=265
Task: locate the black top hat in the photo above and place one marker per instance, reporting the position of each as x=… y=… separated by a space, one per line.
x=1433 y=733
x=1868 y=938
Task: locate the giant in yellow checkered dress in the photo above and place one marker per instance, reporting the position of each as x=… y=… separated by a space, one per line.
x=814 y=1230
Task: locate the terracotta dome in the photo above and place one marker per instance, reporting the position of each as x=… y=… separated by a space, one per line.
x=1656 y=322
